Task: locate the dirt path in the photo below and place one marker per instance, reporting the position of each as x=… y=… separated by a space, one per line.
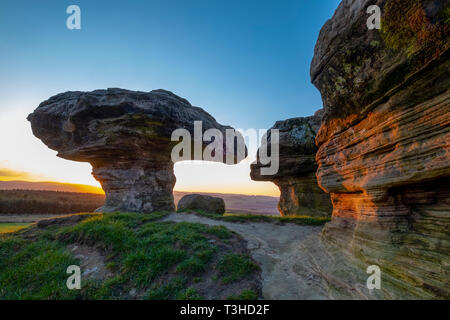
x=291 y=256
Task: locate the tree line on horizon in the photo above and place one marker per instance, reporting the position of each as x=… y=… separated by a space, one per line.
x=47 y=202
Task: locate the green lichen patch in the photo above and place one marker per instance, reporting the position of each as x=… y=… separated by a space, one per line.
x=405 y=26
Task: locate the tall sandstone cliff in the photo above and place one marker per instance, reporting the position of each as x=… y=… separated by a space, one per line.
x=383 y=146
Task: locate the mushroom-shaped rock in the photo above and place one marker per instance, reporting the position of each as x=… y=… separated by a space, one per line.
x=127 y=138
x=300 y=193
x=201 y=202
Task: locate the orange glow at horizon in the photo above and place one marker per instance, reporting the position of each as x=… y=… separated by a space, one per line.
x=26 y=158
x=266 y=189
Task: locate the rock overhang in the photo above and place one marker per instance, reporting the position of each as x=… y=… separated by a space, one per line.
x=299 y=191
x=115 y=121
x=127 y=137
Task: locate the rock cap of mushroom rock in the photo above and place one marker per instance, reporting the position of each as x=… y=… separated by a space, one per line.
x=126 y=137
x=92 y=126
x=297 y=148
x=300 y=193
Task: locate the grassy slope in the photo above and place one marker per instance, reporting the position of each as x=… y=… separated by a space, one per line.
x=160 y=260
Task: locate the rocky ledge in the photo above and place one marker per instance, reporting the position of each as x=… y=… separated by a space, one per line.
x=296 y=177
x=126 y=137
x=384 y=142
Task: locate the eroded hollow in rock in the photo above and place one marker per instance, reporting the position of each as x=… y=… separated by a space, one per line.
x=126 y=137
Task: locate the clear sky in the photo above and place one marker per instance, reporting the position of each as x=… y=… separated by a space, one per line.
x=245 y=62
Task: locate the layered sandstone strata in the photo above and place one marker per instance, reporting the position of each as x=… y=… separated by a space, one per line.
x=384 y=142
x=296 y=179
x=126 y=137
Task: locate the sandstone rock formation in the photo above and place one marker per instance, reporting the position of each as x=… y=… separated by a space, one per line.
x=126 y=137
x=296 y=177
x=201 y=202
x=384 y=142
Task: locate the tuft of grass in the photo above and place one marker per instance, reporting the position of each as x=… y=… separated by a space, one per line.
x=169 y=290
x=248 y=295
x=234 y=267
x=189 y=294
x=245 y=295
x=193 y=265
x=220 y=231
x=34 y=270
x=174 y=289
x=196 y=279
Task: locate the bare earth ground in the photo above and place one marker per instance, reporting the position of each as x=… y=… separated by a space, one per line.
x=293 y=260
x=92 y=261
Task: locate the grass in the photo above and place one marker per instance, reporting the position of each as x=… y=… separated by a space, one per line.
x=34 y=270
x=159 y=260
x=234 y=267
x=300 y=220
x=12 y=227
x=245 y=295
x=174 y=289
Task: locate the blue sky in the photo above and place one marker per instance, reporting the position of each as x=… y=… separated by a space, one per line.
x=245 y=62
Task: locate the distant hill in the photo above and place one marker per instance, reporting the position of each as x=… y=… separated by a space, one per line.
x=238 y=203
x=49 y=186
x=48 y=202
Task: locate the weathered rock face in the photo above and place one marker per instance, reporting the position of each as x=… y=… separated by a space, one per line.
x=384 y=142
x=126 y=136
x=201 y=202
x=300 y=194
